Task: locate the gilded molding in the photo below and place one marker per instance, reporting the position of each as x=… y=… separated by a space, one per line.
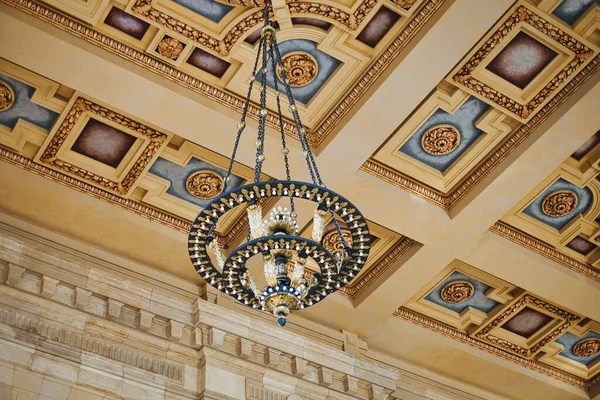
x=523 y=14
x=532 y=364
x=76 y=340
x=539 y=247
x=357 y=286
x=316 y=137
x=81 y=105
x=448 y=201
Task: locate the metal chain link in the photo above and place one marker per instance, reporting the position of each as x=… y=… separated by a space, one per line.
x=284 y=148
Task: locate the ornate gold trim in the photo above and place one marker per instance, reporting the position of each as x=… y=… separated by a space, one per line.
x=81 y=105
x=539 y=247
x=316 y=137
x=452 y=333
x=523 y=14
x=356 y=287
x=508 y=313
x=448 y=201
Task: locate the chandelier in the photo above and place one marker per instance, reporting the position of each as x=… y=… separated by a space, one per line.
x=299 y=271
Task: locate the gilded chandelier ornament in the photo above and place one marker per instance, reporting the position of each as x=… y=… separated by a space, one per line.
x=7 y=96
x=560 y=203
x=293 y=271
x=457 y=291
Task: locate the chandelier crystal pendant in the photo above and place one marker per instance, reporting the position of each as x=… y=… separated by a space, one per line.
x=299 y=272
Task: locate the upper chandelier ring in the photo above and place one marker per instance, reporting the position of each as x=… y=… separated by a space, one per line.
x=201 y=232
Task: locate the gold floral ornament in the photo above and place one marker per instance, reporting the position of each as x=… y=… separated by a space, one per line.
x=457 y=292
x=587 y=347
x=406 y=4
x=300 y=68
x=440 y=140
x=7 y=96
x=559 y=203
x=254 y=3
x=204 y=184
x=170 y=48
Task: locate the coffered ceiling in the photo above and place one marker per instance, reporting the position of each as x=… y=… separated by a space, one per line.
x=467 y=135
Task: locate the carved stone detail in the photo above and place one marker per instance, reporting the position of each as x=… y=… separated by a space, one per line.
x=440 y=140
x=560 y=203
x=457 y=291
x=7 y=96
x=75 y=340
x=204 y=184
x=587 y=347
x=300 y=68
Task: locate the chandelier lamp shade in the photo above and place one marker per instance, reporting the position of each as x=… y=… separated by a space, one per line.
x=299 y=271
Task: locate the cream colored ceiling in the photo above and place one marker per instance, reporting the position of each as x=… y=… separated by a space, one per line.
x=441 y=235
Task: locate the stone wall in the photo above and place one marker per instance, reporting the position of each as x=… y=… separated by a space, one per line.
x=74 y=326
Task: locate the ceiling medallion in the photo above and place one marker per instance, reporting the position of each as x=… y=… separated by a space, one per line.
x=440 y=140
x=559 y=203
x=301 y=68
x=204 y=184
x=457 y=291
x=170 y=48
x=587 y=347
x=267 y=272
x=7 y=96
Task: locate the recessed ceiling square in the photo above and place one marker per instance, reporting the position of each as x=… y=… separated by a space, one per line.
x=521 y=60
x=527 y=322
x=103 y=143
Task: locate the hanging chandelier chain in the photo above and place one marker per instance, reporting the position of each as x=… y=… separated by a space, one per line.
x=310 y=161
x=260 y=143
x=284 y=148
x=242 y=124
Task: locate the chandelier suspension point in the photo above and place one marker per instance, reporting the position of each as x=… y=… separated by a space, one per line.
x=299 y=271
